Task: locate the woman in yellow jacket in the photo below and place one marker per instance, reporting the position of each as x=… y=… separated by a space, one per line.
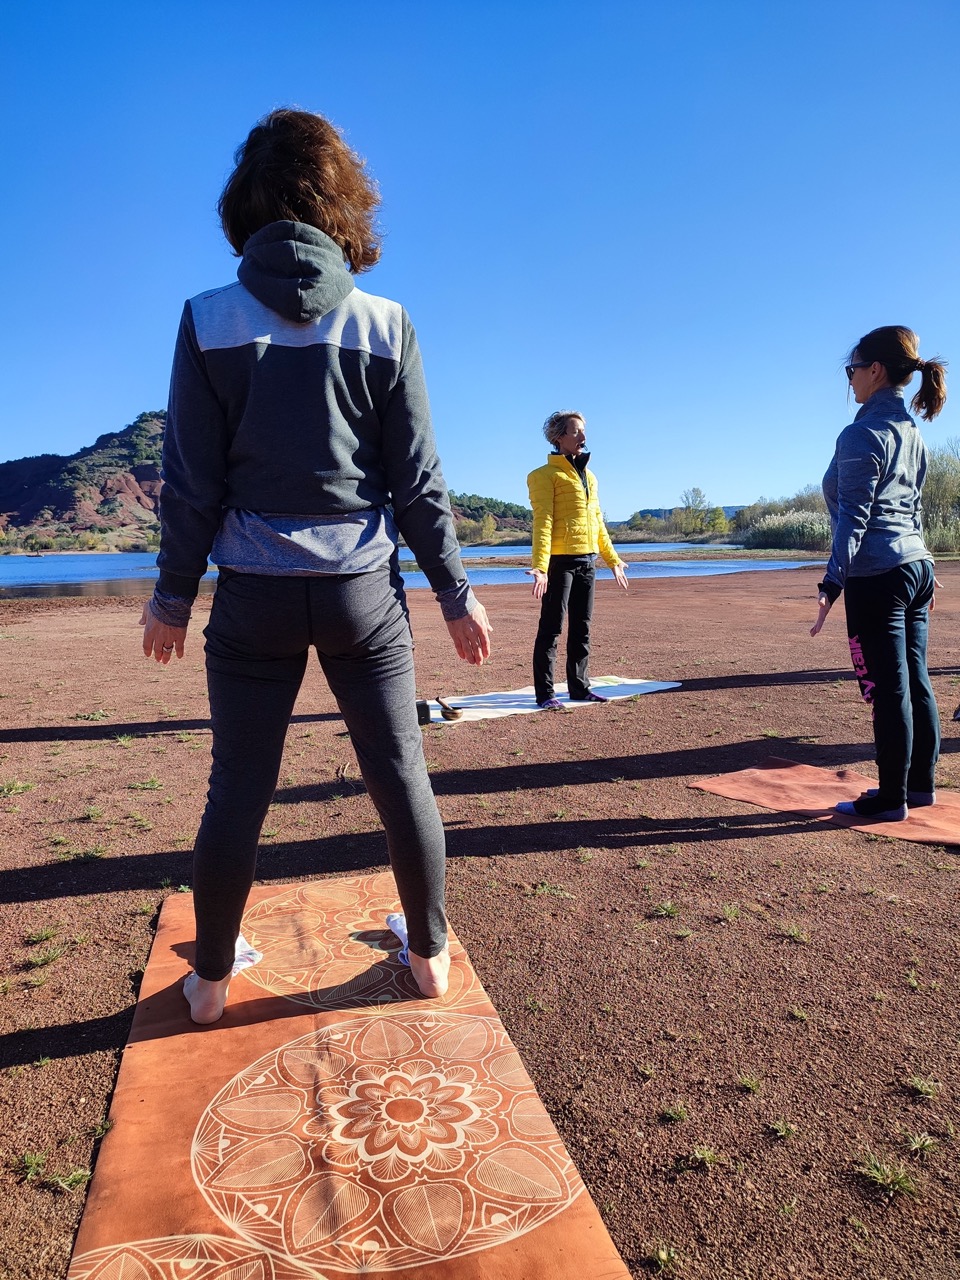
x=568 y=531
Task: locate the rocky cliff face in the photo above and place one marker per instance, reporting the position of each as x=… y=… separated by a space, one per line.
x=102 y=492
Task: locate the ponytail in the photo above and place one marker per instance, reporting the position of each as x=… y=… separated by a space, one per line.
x=897 y=348
x=932 y=395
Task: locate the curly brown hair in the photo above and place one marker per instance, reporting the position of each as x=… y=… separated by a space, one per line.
x=295 y=166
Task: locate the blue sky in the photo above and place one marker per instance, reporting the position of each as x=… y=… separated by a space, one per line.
x=675 y=218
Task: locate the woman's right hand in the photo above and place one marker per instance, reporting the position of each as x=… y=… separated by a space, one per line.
x=539 y=582
x=824 y=606
x=471 y=636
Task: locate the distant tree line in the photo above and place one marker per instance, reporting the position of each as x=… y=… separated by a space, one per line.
x=693 y=518
x=801 y=522
x=488 y=520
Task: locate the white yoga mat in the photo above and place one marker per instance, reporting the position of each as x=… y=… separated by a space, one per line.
x=521 y=702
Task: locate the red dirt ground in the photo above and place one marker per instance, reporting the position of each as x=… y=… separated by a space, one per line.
x=568 y=838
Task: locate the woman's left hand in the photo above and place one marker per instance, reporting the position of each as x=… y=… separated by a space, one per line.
x=937 y=586
x=159 y=640
x=824 y=606
x=620 y=574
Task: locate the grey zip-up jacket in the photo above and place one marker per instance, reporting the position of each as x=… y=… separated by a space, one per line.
x=872 y=489
x=295 y=393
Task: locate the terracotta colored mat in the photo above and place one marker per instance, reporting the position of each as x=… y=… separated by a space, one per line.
x=801 y=788
x=521 y=702
x=332 y=1123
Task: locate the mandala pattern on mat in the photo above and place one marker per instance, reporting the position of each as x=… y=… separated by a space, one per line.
x=326 y=945
x=384 y=1143
x=186 y=1258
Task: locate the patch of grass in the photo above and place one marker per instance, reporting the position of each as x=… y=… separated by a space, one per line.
x=37 y=979
x=31 y=1165
x=71 y=1181
x=151 y=784
x=144 y=909
x=93 y=813
x=40 y=935
x=781 y=1128
x=85 y=855
x=676 y=1113
x=646 y=1071
x=920 y=1145
x=536 y=1006
x=43 y=1062
x=913 y=982
x=797 y=1014
x=585 y=855
x=666 y=910
x=123 y=739
x=641 y=864
x=14 y=787
x=703 y=1158
x=683 y=934
x=750 y=1083
x=794 y=933
x=41 y=958
x=888 y=1176
x=543 y=890
x=923 y=1087
x=664 y=1259
x=99 y=714
x=140 y=822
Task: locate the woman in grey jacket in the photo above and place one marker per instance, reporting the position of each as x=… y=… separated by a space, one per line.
x=880 y=563
x=298 y=447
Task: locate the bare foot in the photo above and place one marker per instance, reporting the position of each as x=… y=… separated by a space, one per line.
x=206 y=999
x=431 y=976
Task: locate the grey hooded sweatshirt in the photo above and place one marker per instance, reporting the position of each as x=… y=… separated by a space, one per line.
x=297 y=400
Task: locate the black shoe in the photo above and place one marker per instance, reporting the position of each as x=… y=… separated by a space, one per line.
x=915 y=799
x=871 y=808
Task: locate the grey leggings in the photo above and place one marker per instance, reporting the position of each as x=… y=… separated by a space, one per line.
x=259 y=634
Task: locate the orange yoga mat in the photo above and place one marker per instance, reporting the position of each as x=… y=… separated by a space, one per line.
x=801 y=788
x=333 y=1122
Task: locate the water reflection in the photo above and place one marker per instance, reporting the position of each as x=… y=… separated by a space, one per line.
x=101 y=587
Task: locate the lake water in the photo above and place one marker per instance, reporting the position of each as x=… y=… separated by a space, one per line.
x=134 y=573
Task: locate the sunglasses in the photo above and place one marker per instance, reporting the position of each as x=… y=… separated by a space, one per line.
x=860 y=364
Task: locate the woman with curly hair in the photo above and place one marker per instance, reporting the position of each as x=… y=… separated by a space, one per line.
x=298 y=448
x=880 y=563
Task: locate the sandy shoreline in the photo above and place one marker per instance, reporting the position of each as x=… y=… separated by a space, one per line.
x=564 y=839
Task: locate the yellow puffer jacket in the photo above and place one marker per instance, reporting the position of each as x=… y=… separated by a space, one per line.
x=565 y=521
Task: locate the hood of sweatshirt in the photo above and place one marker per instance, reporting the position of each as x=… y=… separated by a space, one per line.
x=294 y=270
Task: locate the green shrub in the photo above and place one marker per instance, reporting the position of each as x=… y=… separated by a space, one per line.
x=790 y=531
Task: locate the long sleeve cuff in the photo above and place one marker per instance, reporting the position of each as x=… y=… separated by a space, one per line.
x=172 y=611
x=457 y=601
x=830 y=590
